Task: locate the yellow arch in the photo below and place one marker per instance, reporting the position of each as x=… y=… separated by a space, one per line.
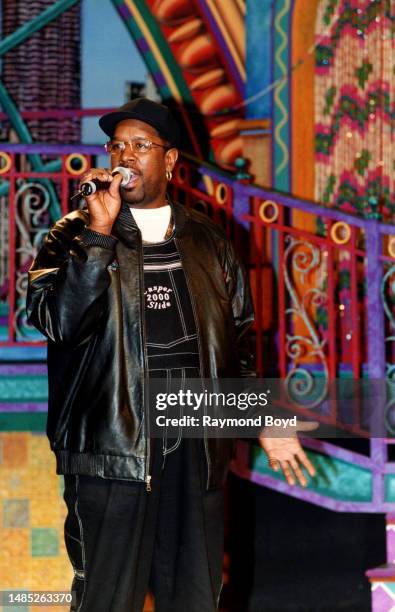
x=155 y=50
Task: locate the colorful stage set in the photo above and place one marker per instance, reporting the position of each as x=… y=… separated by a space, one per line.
x=288 y=109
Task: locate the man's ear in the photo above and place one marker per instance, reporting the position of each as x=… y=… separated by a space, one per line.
x=171 y=158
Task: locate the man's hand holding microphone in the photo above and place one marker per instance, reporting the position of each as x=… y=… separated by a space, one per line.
x=103 y=204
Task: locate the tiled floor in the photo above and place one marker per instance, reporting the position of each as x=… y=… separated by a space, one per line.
x=32 y=514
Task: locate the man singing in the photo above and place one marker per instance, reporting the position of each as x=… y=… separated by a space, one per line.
x=131 y=287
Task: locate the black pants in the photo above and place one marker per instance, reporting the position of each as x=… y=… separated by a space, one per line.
x=122 y=539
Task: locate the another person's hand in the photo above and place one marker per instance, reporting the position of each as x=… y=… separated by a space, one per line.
x=104 y=205
x=286 y=451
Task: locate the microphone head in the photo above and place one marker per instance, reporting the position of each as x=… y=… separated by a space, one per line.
x=125 y=172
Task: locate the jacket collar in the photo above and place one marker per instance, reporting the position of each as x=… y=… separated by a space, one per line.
x=126 y=228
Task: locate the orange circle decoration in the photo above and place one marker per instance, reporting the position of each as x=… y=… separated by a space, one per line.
x=391 y=246
x=76 y=157
x=340 y=232
x=6 y=160
x=265 y=214
x=221 y=193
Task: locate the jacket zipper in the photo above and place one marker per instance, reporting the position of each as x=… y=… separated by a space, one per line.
x=148 y=476
x=192 y=298
x=148 y=483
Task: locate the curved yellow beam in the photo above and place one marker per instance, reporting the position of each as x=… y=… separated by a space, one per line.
x=230 y=21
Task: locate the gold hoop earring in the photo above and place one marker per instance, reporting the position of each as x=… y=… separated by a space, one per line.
x=169 y=175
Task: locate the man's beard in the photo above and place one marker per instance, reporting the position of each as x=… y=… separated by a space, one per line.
x=140 y=196
x=132 y=196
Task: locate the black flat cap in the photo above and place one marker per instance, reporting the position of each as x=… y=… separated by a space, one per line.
x=143 y=109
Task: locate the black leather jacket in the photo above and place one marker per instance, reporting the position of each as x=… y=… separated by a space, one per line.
x=85 y=294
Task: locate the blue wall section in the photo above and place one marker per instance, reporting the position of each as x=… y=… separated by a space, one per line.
x=259 y=51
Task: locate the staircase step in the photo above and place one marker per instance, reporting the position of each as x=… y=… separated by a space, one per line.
x=23 y=396
x=382 y=581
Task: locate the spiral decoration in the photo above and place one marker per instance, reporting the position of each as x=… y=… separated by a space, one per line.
x=301 y=259
x=31 y=216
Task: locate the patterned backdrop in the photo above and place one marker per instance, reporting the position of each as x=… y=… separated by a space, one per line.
x=355 y=106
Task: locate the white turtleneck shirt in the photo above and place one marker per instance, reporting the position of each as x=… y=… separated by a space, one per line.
x=152 y=222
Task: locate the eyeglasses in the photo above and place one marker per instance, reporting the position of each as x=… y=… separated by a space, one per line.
x=137 y=145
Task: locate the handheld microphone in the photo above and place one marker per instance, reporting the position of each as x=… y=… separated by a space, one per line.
x=90 y=187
